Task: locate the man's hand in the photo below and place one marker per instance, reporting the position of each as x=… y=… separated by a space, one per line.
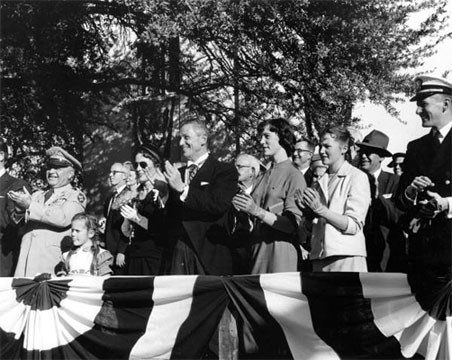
x=433 y=206
x=419 y=184
x=22 y=199
x=120 y=260
x=245 y=203
x=173 y=177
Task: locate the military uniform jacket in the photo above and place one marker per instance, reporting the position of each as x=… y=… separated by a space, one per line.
x=430 y=245
x=47 y=223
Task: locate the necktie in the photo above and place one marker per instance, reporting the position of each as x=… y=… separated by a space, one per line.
x=192 y=170
x=112 y=200
x=48 y=194
x=436 y=137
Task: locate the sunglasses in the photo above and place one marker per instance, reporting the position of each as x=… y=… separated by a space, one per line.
x=55 y=166
x=142 y=164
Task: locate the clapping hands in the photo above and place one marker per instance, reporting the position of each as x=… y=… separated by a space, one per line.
x=22 y=199
x=309 y=201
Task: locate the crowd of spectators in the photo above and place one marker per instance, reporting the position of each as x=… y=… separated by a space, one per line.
x=324 y=205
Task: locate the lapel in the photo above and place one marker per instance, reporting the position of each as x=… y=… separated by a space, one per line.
x=323 y=182
x=203 y=172
x=383 y=182
x=323 y=185
x=442 y=158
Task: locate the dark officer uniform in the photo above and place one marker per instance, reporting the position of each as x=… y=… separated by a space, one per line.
x=429 y=238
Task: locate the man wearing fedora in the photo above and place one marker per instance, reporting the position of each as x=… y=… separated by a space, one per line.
x=47 y=215
x=425 y=189
x=372 y=151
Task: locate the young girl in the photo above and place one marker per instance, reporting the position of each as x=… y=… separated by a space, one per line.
x=338 y=203
x=85 y=256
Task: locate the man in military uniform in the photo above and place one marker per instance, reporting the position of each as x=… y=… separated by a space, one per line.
x=47 y=215
x=425 y=186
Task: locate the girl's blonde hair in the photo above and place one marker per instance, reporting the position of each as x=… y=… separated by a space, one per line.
x=91 y=224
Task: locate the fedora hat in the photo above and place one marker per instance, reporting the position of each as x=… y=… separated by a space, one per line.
x=395 y=157
x=377 y=142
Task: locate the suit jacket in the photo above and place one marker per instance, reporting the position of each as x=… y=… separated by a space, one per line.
x=199 y=221
x=9 y=233
x=381 y=217
x=351 y=197
x=115 y=241
x=430 y=245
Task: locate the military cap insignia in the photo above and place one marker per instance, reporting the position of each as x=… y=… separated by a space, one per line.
x=417 y=85
x=81 y=197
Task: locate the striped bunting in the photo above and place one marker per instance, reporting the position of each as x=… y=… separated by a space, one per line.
x=312 y=316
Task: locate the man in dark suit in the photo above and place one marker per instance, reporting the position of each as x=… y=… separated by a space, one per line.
x=200 y=197
x=425 y=189
x=302 y=157
x=115 y=241
x=372 y=151
x=9 y=236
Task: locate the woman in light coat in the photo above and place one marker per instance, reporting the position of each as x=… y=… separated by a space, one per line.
x=337 y=204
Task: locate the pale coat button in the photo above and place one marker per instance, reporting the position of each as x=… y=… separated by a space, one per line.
x=447 y=182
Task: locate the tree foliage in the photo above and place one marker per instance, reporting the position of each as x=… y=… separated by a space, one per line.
x=69 y=67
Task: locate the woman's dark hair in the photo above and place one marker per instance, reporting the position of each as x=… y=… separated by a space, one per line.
x=91 y=224
x=284 y=131
x=341 y=134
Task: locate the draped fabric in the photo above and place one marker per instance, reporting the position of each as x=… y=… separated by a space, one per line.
x=316 y=316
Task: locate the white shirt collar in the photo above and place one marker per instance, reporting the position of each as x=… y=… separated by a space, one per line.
x=62 y=189
x=199 y=162
x=2 y=172
x=377 y=173
x=118 y=191
x=444 y=131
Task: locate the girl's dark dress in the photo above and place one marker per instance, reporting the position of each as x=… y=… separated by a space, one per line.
x=145 y=253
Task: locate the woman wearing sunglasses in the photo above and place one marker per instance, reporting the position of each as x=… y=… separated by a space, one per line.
x=144 y=217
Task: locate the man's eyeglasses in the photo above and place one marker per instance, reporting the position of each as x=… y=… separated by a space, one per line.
x=301 y=151
x=114 y=172
x=142 y=164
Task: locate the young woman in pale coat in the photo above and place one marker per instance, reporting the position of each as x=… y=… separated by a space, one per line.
x=337 y=204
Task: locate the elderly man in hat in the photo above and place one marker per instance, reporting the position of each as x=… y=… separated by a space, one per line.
x=397 y=163
x=372 y=151
x=425 y=188
x=47 y=215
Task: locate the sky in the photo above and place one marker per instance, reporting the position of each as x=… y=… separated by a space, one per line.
x=409 y=127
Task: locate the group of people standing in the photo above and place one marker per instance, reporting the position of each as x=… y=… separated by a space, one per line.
x=325 y=211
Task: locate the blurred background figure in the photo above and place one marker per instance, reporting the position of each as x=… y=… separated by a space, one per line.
x=302 y=154
x=356 y=137
x=9 y=233
x=115 y=241
x=397 y=163
x=132 y=179
x=372 y=150
x=318 y=168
